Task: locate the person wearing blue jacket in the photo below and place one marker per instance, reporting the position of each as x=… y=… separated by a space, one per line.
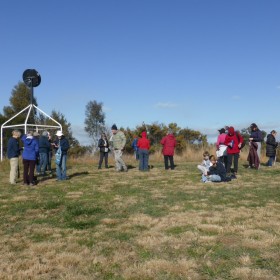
x=135 y=147
x=13 y=153
x=29 y=157
x=61 y=144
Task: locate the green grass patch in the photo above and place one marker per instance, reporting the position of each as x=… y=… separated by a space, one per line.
x=154 y=225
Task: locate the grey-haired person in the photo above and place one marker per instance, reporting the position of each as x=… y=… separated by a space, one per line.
x=44 y=149
x=13 y=153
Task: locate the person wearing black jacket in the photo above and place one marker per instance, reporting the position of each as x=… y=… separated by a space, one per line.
x=13 y=153
x=257 y=137
x=44 y=149
x=103 y=145
x=271 y=146
x=216 y=173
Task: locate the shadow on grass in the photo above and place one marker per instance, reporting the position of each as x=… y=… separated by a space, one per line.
x=78 y=174
x=46 y=178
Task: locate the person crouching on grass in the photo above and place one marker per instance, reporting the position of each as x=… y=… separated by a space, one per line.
x=205 y=164
x=216 y=173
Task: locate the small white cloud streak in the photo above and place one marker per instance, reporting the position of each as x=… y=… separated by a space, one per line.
x=107 y=109
x=235 y=97
x=81 y=135
x=165 y=105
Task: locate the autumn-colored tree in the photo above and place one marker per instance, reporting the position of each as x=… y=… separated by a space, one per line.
x=157 y=131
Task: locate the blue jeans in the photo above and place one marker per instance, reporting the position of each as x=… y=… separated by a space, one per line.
x=270 y=161
x=143 y=159
x=210 y=178
x=61 y=169
x=43 y=163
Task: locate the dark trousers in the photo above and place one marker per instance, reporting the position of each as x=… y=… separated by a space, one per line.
x=224 y=160
x=49 y=165
x=170 y=158
x=102 y=156
x=28 y=171
x=235 y=158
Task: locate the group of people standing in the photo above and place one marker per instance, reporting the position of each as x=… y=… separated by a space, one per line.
x=229 y=144
x=141 y=147
x=36 y=155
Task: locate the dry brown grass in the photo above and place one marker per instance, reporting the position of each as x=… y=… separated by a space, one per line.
x=156 y=225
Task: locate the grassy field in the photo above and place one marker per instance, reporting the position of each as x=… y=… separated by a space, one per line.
x=151 y=225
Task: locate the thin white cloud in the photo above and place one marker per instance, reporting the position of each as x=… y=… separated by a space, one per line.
x=81 y=135
x=278 y=87
x=166 y=105
x=235 y=97
x=107 y=109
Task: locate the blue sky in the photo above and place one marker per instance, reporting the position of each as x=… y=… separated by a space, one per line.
x=200 y=63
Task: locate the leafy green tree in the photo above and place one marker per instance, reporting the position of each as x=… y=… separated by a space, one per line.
x=157 y=131
x=95 y=119
x=66 y=127
x=20 y=99
x=193 y=136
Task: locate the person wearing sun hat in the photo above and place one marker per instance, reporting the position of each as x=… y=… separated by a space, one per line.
x=61 y=144
x=118 y=141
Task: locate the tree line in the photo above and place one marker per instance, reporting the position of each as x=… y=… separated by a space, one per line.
x=94 y=125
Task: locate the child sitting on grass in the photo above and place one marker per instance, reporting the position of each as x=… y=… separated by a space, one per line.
x=216 y=173
x=205 y=164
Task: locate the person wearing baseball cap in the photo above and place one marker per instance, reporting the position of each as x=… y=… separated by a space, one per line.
x=118 y=141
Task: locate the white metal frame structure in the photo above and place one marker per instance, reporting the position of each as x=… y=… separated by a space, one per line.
x=25 y=125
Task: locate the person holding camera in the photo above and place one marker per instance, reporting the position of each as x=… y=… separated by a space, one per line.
x=103 y=145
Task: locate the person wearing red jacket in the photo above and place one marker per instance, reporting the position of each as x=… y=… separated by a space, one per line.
x=143 y=145
x=169 y=143
x=233 y=144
